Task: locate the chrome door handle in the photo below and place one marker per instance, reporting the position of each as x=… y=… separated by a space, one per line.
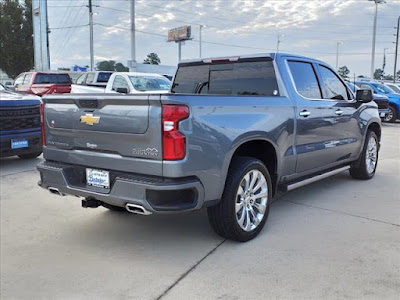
x=339 y=112
x=304 y=113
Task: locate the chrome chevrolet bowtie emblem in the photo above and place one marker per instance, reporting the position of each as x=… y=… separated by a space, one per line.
x=89 y=119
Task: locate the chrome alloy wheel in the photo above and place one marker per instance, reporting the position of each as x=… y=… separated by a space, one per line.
x=372 y=155
x=251 y=200
x=389 y=115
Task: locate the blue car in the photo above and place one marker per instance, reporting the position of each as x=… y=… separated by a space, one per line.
x=20 y=124
x=381 y=89
x=381 y=100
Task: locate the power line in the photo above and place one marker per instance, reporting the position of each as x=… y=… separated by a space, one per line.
x=67 y=27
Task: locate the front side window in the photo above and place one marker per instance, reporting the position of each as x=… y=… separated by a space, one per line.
x=305 y=79
x=150 y=83
x=120 y=82
x=241 y=78
x=334 y=88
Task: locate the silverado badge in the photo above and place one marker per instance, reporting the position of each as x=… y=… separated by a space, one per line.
x=89 y=119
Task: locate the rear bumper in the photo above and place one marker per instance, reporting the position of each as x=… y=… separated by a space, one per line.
x=155 y=194
x=34 y=144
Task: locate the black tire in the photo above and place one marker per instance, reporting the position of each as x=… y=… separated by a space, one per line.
x=30 y=155
x=113 y=207
x=359 y=170
x=223 y=216
x=392 y=116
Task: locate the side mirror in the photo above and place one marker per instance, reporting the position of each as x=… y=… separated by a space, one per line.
x=122 y=90
x=364 y=96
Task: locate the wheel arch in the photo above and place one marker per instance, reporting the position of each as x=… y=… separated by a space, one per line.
x=261 y=148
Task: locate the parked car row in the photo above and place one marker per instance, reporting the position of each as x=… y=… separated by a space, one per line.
x=121 y=82
x=384 y=90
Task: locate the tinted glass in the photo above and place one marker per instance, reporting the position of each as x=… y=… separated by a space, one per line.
x=103 y=77
x=188 y=78
x=63 y=78
x=305 y=79
x=241 y=78
x=120 y=82
x=90 y=78
x=150 y=83
x=334 y=88
x=46 y=78
x=27 y=79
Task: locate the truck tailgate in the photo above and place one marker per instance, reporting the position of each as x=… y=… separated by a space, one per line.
x=105 y=128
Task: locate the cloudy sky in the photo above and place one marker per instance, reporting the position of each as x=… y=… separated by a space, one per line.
x=310 y=28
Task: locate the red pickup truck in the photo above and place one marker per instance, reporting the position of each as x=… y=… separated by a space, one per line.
x=40 y=83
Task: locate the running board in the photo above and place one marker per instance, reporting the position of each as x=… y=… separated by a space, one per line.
x=304 y=182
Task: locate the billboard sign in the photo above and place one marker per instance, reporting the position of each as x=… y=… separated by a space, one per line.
x=179 y=34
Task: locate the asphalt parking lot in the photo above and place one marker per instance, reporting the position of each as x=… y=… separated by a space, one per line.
x=338 y=238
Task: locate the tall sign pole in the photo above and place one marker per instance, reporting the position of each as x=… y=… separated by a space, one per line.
x=180 y=35
x=91 y=36
x=397 y=47
x=133 y=37
x=40 y=35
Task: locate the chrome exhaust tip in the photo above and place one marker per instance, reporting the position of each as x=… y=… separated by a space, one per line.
x=137 y=209
x=55 y=191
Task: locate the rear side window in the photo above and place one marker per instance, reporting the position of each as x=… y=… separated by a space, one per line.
x=81 y=79
x=103 y=77
x=305 y=79
x=120 y=82
x=90 y=78
x=242 y=78
x=27 y=79
x=334 y=88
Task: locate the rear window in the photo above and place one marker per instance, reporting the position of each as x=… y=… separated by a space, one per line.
x=103 y=77
x=241 y=78
x=52 y=79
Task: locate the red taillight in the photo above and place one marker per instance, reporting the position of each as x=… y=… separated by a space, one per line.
x=42 y=120
x=174 y=142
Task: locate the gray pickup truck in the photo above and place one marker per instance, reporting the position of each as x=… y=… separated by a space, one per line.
x=231 y=132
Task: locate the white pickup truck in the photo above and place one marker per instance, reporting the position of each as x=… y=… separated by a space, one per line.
x=128 y=83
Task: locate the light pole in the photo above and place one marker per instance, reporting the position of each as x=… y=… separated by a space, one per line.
x=133 y=37
x=374 y=36
x=395 y=52
x=201 y=27
x=337 y=54
x=91 y=35
x=278 y=42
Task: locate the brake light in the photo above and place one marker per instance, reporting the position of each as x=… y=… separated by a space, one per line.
x=174 y=142
x=42 y=127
